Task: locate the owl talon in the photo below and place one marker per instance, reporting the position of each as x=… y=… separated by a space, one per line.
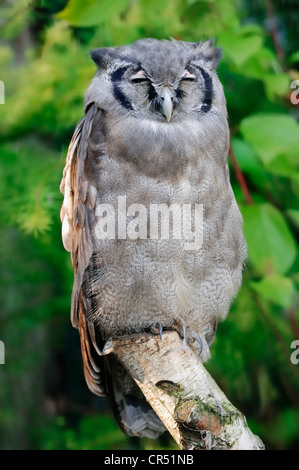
x=198 y=339
x=158 y=327
x=188 y=337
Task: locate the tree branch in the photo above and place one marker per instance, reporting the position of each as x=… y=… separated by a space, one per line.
x=274 y=32
x=185 y=397
x=240 y=176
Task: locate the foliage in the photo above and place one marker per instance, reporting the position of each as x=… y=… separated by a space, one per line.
x=45 y=67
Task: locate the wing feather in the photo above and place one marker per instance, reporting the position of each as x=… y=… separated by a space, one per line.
x=77 y=236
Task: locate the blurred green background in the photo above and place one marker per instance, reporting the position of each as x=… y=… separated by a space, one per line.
x=45 y=66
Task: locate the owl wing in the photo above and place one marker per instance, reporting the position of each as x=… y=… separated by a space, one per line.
x=77 y=235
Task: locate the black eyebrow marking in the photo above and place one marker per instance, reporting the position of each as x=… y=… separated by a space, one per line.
x=119 y=95
x=208 y=96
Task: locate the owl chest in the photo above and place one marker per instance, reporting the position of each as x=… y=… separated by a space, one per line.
x=161 y=152
x=141 y=167
x=119 y=177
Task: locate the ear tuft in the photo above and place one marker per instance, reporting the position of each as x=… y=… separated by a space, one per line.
x=102 y=56
x=209 y=54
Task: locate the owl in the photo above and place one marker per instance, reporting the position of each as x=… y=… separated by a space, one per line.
x=149 y=215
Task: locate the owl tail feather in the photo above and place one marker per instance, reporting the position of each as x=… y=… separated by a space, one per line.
x=132 y=412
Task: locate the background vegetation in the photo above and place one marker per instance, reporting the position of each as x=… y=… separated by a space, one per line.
x=45 y=66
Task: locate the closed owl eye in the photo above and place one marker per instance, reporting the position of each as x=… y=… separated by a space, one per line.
x=188 y=76
x=139 y=77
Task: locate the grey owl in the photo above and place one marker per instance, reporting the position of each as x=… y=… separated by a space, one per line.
x=154 y=137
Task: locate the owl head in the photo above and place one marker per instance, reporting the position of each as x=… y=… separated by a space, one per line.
x=163 y=81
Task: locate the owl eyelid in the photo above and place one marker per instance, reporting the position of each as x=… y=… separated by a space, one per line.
x=139 y=77
x=139 y=80
x=188 y=76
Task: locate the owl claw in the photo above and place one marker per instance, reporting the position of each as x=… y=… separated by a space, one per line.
x=157 y=329
x=188 y=336
x=159 y=326
x=198 y=339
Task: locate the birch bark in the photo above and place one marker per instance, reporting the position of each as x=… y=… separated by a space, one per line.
x=186 y=398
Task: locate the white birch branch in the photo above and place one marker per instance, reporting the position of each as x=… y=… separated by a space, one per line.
x=183 y=394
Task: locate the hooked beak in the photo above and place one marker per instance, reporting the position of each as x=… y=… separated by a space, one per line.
x=166 y=103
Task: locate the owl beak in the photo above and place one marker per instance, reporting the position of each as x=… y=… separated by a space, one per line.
x=166 y=103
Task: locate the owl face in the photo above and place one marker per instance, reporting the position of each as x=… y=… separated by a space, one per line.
x=163 y=81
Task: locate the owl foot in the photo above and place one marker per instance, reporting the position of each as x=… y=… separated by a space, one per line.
x=189 y=338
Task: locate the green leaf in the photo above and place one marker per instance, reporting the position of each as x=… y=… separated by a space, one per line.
x=260 y=64
x=276 y=84
x=294 y=216
x=246 y=157
x=91 y=12
x=294 y=58
x=271 y=134
x=284 y=165
x=238 y=47
x=275 y=288
x=271 y=245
